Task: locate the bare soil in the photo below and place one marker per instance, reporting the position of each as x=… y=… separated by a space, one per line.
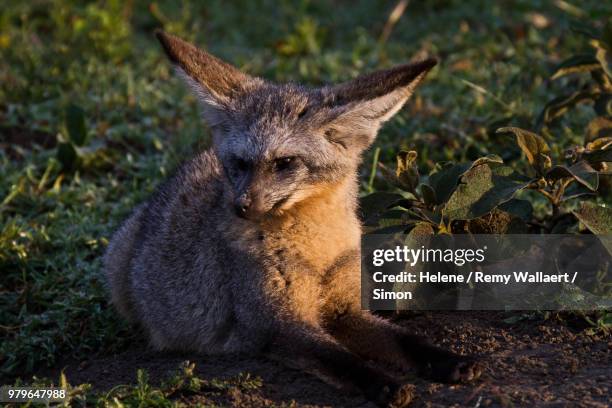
x=555 y=362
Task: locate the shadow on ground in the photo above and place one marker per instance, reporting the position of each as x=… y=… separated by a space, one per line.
x=529 y=362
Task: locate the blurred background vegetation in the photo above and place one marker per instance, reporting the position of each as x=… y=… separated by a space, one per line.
x=92 y=118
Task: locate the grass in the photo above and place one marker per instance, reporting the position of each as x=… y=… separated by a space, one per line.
x=182 y=388
x=55 y=221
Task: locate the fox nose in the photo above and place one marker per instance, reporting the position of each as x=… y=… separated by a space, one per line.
x=242 y=205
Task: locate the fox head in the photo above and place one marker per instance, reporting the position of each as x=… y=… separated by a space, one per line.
x=280 y=143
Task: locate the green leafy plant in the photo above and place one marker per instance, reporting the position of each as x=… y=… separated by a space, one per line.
x=452 y=198
x=483 y=195
x=175 y=391
x=600 y=322
x=598 y=63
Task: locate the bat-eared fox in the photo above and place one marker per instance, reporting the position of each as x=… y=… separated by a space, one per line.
x=253 y=246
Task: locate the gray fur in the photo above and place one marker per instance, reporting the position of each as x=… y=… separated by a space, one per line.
x=281 y=272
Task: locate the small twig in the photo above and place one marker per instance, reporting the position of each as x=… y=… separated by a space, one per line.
x=558 y=194
x=562 y=188
x=394 y=17
x=454 y=130
x=485 y=91
x=11 y=328
x=546 y=194
x=473 y=395
x=569 y=8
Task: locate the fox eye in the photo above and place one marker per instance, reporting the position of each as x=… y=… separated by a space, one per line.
x=283 y=163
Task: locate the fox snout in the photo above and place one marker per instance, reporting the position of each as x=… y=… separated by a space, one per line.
x=248 y=206
x=257 y=192
x=242 y=206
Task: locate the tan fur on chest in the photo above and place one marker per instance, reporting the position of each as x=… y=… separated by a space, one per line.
x=321 y=228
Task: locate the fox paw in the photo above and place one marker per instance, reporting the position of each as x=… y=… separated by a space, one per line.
x=397 y=396
x=453 y=369
x=402 y=396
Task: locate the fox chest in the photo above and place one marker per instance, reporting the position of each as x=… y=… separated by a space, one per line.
x=306 y=251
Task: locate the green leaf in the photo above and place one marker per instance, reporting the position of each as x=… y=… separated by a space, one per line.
x=421 y=231
x=75 y=124
x=483 y=188
x=519 y=208
x=489 y=158
x=576 y=190
x=598 y=156
x=445 y=180
x=606 y=320
x=429 y=216
x=533 y=145
x=604 y=57
x=585 y=29
x=560 y=105
x=428 y=194
x=581 y=171
x=394 y=217
x=603 y=105
x=596 y=218
x=600 y=143
x=598 y=128
x=385 y=222
x=575 y=64
x=374 y=204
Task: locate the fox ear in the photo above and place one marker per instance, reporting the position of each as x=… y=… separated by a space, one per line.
x=216 y=82
x=359 y=107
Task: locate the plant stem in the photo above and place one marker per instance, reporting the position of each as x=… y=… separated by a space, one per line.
x=373 y=170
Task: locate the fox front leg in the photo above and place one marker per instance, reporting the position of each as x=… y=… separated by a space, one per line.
x=439 y=364
x=311 y=349
x=378 y=339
